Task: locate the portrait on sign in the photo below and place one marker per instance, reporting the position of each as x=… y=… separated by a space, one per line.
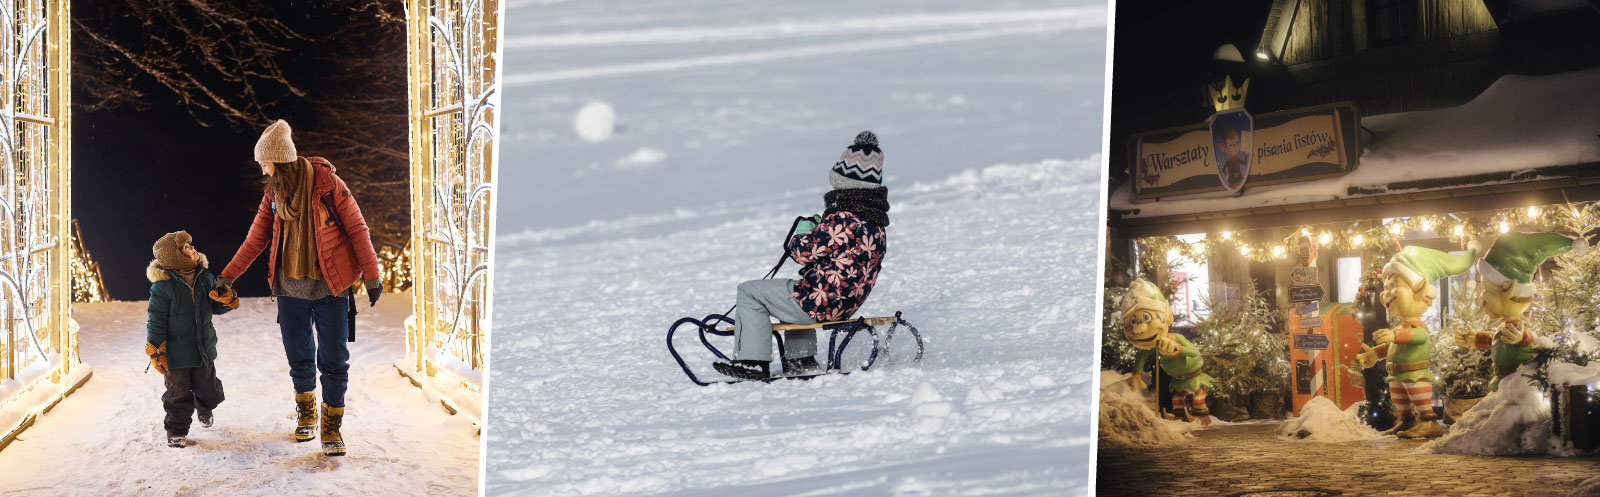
x=1231 y=132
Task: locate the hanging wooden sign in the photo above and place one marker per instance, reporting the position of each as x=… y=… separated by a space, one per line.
x=1284 y=147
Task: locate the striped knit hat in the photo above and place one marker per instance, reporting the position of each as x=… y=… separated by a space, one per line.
x=861 y=165
x=275 y=145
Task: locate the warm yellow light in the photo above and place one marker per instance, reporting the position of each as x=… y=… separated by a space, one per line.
x=1305 y=232
x=1427 y=224
x=1226 y=235
x=1505 y=227
x=1396 y=228
x=1356 y=240
x=1172 y=253
x=1458 y=231
x=1244 y=250
x=1533 y=211
x=1324 y=238
x=1277 y=251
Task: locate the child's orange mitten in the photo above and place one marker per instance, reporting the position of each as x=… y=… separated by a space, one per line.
x=226 y=296
x=158 y=356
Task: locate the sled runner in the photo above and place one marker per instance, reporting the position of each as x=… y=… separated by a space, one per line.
x=836 y=346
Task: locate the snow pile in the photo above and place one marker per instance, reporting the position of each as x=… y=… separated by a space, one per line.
x=1321 y=420
x=1572 y=374
x=595 y=122
x=1126 y=418
x=1513 y=420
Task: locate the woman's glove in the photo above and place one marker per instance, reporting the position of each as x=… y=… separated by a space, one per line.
x=226 y=297
x=158 y=356
x=373 y=292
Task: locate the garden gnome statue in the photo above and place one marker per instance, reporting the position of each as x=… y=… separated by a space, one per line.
x=1505 y=275
x=1146 y=315
x=1407 y=293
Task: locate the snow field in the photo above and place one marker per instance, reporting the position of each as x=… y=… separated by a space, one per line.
x=587 y=401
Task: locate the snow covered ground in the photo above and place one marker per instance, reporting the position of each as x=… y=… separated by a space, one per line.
x=107 y=439
x=710 y=125
x=719 y=100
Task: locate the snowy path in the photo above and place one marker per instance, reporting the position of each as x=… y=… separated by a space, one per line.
x=107 y=439
x=996 y=267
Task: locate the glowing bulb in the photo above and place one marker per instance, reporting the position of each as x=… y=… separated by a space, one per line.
x=1357 y=240
x=1226 y=235
x=1305 y=232
x=1324 y=238
x=1396 y=228
x=1458 y=231
x=1244 y=250
x=1505 y=227
x=1277 y=251
x=1427 y=225
x=1533 y=211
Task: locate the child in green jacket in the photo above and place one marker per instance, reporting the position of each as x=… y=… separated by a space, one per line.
x=180 y=340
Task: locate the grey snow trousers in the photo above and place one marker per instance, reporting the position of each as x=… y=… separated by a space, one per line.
x=758 y=302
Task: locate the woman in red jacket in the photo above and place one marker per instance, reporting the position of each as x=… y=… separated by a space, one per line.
x=319 y=251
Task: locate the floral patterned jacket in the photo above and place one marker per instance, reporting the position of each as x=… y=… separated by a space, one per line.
x=841 y=257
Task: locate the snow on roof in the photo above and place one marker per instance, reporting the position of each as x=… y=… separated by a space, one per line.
x=1518 y=125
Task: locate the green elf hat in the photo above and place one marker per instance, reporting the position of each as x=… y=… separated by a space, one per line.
x=1417 y=265
x=1517 y=256
x=1143 y=295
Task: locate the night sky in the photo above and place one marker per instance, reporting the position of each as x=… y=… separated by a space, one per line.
x=139 y=173
x=1163 y=56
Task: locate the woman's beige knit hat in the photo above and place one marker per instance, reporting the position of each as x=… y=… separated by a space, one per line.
x=275 y=144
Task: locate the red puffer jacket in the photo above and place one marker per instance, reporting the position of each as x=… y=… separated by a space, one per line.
x=345 y=257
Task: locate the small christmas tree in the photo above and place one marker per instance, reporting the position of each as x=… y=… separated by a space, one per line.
x=1567 y=310
x=1240 y=348
x=1462 y=369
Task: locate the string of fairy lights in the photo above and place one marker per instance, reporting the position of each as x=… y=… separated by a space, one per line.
x=1264 y=245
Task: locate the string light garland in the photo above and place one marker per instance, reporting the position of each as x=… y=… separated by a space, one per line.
x=1383 y=235
x=87 y=286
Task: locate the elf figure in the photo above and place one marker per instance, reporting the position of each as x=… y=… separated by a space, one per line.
x=1146 y=316
x=1506 y=276
x=1408 y=292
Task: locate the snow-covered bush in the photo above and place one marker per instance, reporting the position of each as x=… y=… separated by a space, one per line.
x=1462 y=369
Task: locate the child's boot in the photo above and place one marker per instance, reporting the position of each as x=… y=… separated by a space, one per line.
x=744 y=370
x=175 y=440
x=305 y=406
x=801 y=366
x=205 y=417
x=332 y=440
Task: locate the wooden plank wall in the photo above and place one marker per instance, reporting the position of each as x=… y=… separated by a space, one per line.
x=1321 y=31
x=1440 y=19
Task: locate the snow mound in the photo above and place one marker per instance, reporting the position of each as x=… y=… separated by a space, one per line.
x=1127 y=420
x=1513 y=420
x=1573 y=374
x=1321 y=420
x=595 y=121
x=641 y=159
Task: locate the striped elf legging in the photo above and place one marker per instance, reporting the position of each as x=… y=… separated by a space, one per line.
x=1412 y=395
x=1198 y=405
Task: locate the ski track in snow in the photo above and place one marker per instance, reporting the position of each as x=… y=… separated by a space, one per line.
x=107 y=438
x=996 y=267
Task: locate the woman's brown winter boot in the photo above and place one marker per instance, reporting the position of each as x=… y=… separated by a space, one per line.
x=305 y=406
x=332 y=440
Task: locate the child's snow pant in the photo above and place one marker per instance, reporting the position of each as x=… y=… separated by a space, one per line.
x=189 y=389
x=758 y=301
x=325 y=351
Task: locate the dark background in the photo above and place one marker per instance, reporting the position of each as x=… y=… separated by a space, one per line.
x=169 y=99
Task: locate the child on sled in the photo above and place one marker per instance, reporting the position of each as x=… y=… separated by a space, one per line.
x=841 y=251
x=180 y=340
